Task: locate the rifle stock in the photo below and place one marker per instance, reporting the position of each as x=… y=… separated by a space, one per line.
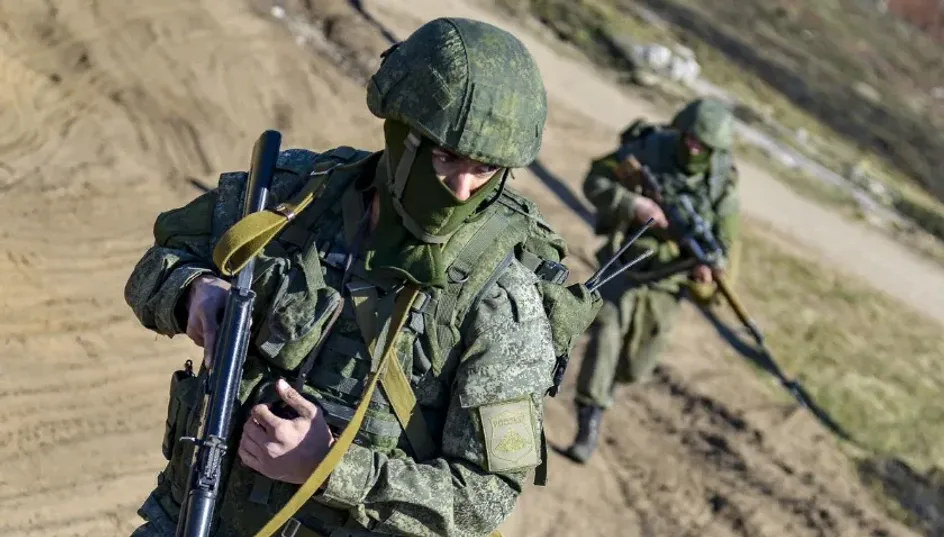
x=737 y=306
x=198 y=508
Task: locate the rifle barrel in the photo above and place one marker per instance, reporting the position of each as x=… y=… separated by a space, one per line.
x=229 y=356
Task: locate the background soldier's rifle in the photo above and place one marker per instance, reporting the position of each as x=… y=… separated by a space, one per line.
x=229 y=354
x=696 y=239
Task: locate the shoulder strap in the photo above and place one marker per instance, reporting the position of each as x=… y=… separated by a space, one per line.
x=250 y=235
x=469 y=255
x=467 y=261
x=395 y=383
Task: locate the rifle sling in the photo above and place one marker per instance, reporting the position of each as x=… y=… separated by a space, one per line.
x=339 y=448
x=250 y=235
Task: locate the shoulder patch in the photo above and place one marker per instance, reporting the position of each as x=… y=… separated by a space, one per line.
x=510 y=435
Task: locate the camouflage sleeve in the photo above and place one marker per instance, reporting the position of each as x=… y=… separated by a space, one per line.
x=491 y=437
x=181 y=253
x=728 y=222
x=184 y=238
x=612 y=200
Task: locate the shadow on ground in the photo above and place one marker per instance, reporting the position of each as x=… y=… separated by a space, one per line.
x=921 y=496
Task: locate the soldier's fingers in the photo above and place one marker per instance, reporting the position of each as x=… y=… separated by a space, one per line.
x=211 y=319
x=305 y=408
x=249 y=459
x=253 y=431
x=265 y=417
x=208 y=347
x=195 y=329
x=251 y=446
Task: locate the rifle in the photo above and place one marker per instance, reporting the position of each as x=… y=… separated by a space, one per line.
x=222 y=385
x=695 y=237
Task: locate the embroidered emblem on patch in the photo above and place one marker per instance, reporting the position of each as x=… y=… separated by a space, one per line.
x=509 y=435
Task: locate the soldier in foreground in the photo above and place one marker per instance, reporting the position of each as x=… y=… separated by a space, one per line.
x=456 y=425
x=692 y=155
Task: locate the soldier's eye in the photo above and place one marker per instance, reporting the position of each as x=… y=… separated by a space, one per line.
x=487 y=169
x=443 y=157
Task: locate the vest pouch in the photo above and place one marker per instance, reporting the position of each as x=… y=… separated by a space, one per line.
x=298 y=316
x=186 y=389
x=179 y=405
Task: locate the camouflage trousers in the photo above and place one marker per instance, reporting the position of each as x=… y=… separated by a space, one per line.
x=626 y=340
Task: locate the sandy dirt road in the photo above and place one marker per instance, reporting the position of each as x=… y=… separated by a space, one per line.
x=110 y=108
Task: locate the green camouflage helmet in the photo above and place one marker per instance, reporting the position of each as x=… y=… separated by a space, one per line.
x=468 y=86
x=710 y=120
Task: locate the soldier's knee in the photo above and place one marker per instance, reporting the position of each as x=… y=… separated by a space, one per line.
x=642 y=368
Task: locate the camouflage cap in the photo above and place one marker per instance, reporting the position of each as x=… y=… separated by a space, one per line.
x=468 y=86
x=710 y=120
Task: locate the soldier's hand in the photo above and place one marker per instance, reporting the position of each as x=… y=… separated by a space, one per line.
x=645 y=208
x=205 y=306
x=281 y=449
x=702 y=274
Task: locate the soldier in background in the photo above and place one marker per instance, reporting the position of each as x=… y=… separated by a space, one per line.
x=633 y=326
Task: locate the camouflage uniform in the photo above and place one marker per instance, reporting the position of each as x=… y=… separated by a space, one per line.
x=479 y=376
x=632 y=328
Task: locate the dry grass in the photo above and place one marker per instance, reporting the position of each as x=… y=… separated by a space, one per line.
x=866 y=358
x=870 y=362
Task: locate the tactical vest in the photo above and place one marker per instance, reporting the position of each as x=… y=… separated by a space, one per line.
x=655 y=146
x=511 y=228
x=297 y=276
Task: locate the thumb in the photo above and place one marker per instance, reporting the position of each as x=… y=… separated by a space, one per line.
x=305 y=408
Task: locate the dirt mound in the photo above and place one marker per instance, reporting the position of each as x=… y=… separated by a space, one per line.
x=112 y=109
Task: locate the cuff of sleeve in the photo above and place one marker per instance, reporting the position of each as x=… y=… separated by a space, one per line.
x=348 y=483
x=171 y=292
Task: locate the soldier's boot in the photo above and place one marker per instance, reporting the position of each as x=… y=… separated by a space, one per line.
x=589 y=418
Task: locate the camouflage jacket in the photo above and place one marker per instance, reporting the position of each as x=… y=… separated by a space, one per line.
x=715 y=195
x=502 y=365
